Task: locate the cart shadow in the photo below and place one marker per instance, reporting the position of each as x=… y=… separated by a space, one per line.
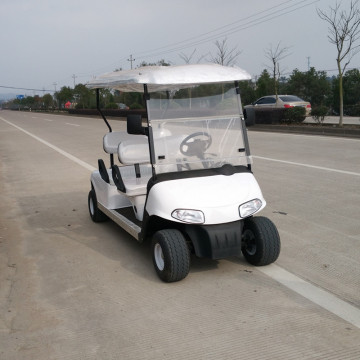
x=66 y=214
x=202 y=264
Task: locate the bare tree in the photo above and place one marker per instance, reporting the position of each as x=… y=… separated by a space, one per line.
x=275 y=55
x=344 y=33
x=188 y=58
x=224 y=56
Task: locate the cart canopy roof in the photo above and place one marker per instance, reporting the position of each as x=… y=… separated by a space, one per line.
x=160 y=78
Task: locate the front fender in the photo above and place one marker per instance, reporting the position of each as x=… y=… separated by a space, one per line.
x=218 y=197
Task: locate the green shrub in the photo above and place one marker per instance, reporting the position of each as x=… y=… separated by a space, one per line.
x=136 y=106
x=352 y=110
x=294 y=114
x=79 y=106
x=112 y=106
x=318 y=113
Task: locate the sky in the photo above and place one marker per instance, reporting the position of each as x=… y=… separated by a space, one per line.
x=47 y=44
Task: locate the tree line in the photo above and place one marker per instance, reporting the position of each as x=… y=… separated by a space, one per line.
x=313 y=86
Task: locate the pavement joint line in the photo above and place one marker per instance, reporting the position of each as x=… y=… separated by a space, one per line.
x=326 y=300
x=307 y=165
x=311 y=292
x=60 y=151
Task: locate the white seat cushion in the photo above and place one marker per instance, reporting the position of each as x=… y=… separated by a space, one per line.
x=135 y=151
x=112 y=140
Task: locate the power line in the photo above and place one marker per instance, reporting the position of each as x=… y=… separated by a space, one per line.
x=258 y=20
x=203 y=38
x=217 y=29
x=20 y=88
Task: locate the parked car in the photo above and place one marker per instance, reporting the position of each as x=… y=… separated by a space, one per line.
x=284 y=101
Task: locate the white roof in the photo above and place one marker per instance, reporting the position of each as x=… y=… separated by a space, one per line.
x=168 y=77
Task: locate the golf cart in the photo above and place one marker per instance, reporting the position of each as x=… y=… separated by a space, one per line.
x=184 y=178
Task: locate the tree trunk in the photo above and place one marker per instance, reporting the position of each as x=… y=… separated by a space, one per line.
x=341 y=95
x=275 y=82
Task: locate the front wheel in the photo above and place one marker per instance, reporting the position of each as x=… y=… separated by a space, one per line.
x=95 y=214
x=261 y=241
x=171 y=256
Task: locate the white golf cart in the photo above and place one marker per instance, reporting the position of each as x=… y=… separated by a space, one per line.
x=184 y=179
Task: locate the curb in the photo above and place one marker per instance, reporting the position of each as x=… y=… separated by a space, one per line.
x=345 y=131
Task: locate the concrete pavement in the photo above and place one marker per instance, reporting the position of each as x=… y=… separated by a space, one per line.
x=72 y=289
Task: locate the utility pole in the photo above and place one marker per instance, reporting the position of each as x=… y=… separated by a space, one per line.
x=131 y=61
x=55 y=93
x=74 y=77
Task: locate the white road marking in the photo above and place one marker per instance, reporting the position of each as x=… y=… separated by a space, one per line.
x=311 y=292
x=72 y=124
x=48 y=119
x=60 y=151
x=307 y=165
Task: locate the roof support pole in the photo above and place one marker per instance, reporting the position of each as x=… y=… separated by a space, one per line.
x=150 y=133
x=105 y=120
x=99 y=110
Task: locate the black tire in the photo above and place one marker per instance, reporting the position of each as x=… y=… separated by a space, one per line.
x=95 y=214
x=171 y=256
x=261 y=241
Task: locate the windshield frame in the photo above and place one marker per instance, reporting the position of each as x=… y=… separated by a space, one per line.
x=169 y=122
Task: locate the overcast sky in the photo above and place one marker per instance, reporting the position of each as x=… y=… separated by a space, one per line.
x=44 y=42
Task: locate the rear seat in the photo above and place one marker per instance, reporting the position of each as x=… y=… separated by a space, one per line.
x=131 y=152
x=112 y=140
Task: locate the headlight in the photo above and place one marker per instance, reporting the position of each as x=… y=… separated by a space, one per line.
x=249 y=208
x=189 y=216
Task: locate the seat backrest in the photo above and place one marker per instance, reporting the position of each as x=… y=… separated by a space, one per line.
x=112 y=140
x=134 y=151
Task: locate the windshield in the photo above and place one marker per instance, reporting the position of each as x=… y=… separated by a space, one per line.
x=197 y=128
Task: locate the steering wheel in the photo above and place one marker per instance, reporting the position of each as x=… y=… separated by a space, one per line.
x=193 y=146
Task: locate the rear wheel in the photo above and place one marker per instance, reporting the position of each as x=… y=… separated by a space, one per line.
x=171 y=256
x=261 y=241
x=95 y=214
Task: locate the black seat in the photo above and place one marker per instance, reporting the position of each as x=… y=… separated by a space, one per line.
x=118 y=181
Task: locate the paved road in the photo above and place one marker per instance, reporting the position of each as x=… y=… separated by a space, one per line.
x=73 y=289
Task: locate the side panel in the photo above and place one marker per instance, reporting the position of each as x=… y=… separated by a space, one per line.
x=107 y=194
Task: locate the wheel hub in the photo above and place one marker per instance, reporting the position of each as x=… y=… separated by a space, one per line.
x=91 y=206
x=249 y=242
x=159 y=257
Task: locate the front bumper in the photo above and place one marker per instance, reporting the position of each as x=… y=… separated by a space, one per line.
x=216 y=241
